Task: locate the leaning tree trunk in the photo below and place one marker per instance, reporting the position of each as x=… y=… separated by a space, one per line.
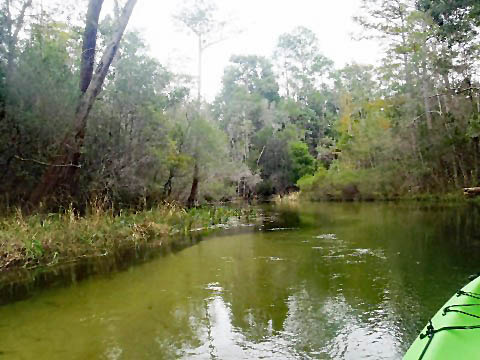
x=89 y=43
x=194 y=190
x=60 y=176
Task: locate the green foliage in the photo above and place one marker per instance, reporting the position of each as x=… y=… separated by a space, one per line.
x=301 y=61
x=302 y=162
x=253 y=74
x=307 y=182
x=457 y=19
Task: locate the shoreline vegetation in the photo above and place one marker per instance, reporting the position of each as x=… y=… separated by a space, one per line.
x=337 y=184
x=47 y=240
x=51 y=239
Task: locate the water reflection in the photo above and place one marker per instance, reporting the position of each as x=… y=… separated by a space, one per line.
x=301 y=335
x=352 y=281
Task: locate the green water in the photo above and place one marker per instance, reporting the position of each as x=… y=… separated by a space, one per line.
x=325 y=281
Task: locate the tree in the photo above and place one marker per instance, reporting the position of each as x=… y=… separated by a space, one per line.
x=42 y=95
x=249 y=88
x=206 y=145
x=89 y=44
x=12 y=21
x=200 y=17
x=61 y=173
x=458 y=19
x=252 y=73
x=302 y=65
x=387 y=20
x=11 y=29
x=277 y=161
x=247 y=103
x=129 y=144
x=302 y=162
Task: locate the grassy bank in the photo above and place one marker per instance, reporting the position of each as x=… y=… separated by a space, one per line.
x=51 y=239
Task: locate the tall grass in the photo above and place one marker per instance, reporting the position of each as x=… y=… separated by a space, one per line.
x=52 y=238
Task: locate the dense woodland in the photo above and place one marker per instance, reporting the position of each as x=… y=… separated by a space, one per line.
x=87 y=114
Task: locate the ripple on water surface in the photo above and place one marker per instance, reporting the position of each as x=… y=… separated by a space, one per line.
x=331 y=281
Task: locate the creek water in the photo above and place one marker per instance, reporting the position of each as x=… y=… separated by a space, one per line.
x=322 y=281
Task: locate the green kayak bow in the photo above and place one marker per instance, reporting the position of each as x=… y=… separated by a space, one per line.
x=454 y=331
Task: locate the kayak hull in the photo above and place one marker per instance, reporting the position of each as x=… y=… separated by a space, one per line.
x=454 y=331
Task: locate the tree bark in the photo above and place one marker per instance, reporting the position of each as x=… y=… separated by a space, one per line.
x=62 y=179
x=446 y=82
x=425 y=87
x=408 y=77
x=471 y=192
x=287 y=81
x=200 y=59
x=89 y=43
x=194 y=190
x=167 y=188
x=475 y=160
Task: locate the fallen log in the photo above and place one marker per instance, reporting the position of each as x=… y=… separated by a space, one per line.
x=471 y=192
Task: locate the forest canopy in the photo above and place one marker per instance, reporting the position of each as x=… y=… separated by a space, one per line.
x=117 y=125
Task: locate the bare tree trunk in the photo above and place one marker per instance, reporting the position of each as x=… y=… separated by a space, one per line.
x=192 y=198
x=260 y=156
x=478 y=103
x=455 y=171
x=439 y=102
x=408 y=77
x=89 y=43
x=200 y=59
x=415 y=148
x=60 y=176
x=454 y=156
x=167 y=188
x=461 y=165
x=425 y=87
x=287 y=80
x=471 y=192
x=446 y=82
x=475 y=161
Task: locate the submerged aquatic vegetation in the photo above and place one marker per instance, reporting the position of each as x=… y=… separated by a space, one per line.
x=49 y=239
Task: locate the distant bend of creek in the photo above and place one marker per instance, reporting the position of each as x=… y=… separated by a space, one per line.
x=322 y=281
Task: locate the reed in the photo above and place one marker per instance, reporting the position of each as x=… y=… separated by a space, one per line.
x=46 y=239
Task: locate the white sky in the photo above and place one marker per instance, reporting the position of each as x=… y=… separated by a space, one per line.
x=262 y=21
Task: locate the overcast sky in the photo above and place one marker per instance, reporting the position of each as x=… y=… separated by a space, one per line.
x=262 y=21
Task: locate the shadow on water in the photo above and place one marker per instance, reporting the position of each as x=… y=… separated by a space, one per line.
x=21 y=284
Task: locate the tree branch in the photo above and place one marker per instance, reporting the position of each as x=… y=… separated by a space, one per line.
x=455 y=92
x=46 y=164
x=19 y=22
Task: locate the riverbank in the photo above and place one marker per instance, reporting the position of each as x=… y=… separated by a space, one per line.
x=342 y=183
x=312 y=189
x=310 y=196
x=58 y=238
